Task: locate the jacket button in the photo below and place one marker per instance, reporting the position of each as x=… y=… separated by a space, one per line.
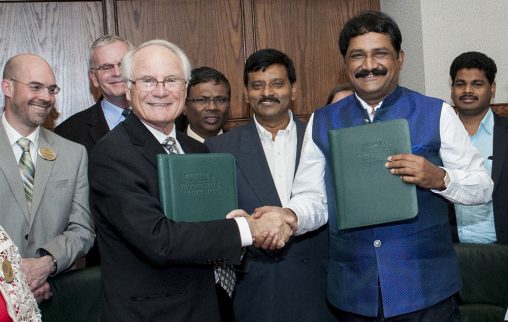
x=377 y=243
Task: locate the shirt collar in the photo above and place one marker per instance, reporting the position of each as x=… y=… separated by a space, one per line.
x=487 y=123
x=263 y=133
x=14 y=135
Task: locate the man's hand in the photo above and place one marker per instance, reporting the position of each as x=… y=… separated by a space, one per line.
x=37 y=271
x=42 y=293
x=287 y=214
x=270 y=231
x=416 y=169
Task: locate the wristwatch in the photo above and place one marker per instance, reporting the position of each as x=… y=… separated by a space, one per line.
x=446 y=180
x=44 y=253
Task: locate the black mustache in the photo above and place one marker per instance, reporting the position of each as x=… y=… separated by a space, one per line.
x=269 y=99
x=376 y=72
x=468 y=95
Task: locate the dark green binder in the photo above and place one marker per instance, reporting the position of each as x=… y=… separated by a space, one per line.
x=197 y=187
x=366 y=193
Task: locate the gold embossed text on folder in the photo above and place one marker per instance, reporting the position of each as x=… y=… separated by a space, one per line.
x=197 y=187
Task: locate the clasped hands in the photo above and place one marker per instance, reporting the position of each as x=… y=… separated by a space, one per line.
x=271 y=227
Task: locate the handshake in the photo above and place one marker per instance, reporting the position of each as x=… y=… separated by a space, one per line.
x=270 y=226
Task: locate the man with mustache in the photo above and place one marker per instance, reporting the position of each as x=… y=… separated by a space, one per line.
x=406 y=270
x=208 y=103
x=267 y=151
x=43 y=177
x=473 y=87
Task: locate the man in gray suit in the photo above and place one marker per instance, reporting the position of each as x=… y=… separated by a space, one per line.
x=43 y=177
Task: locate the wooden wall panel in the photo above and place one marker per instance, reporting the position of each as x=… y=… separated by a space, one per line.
x=308 y=32
x=210 y=32
x=61 y=32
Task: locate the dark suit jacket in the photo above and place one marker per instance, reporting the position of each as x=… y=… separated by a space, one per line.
x=500 y=178
x=86 y=127
x=152 y=269
x=287 y=285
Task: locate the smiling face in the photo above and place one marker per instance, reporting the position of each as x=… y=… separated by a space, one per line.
x=207 y=119
x=373 y=66
x=26 y=109
x=109 y=81
x=270 y=93
x=472 y=92
x=158 y=107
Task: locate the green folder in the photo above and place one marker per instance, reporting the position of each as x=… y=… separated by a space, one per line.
x=366 y=193
x=197 y=187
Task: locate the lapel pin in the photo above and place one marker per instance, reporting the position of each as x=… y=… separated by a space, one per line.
x=47 y=154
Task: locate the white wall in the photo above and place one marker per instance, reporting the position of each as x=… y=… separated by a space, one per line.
x=436 y=31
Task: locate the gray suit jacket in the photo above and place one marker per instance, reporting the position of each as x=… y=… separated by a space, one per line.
x=59 y=220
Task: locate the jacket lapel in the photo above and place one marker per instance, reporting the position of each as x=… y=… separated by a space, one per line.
x=142 y=139
x=254 y=166
x=98 y=127
x=500 y=147
x=43 y=169
x=10 y=169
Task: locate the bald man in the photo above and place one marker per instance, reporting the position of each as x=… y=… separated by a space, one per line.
x=43 y=177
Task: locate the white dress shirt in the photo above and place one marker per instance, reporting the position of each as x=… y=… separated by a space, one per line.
x=112 y=113
x=243 y=225
x=469 y=182
x=13 y=137
x=280 y=154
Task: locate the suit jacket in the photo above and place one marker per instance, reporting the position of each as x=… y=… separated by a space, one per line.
x=59 y=219
x=86 y=127
x=500 y=178
x=286 y=285
x=153 y=269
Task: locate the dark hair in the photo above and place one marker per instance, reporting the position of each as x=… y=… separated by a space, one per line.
x=369 y=21
x=206 y=74
x=264 y=58
x=339 y=88
x=474 y=59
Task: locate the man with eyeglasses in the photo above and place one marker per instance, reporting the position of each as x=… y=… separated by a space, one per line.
x=89 y=126
x=288 y=285
x=155 y=269
x=208 y=103
x=43 y=178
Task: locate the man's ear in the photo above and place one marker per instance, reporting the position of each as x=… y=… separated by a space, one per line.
x=7 y=87
x=93 y=78
x=293 y=91
x=493 y=89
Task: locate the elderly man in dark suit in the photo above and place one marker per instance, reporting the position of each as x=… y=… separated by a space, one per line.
x=89 y=126
x=267 y=151
x=154 y=269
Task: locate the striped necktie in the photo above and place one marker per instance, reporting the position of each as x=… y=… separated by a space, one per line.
x=26 y=168
x=170 y=145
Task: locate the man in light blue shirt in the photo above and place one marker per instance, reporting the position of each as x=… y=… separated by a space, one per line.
x=473 y=87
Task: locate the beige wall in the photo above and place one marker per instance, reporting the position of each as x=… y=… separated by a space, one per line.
x=434 y=32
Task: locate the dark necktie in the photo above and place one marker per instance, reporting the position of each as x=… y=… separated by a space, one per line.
x=126 y=111
x=27 y=169
x=224 y=273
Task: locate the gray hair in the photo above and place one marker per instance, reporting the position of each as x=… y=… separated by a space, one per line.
x=128 y=58
x=104 y=41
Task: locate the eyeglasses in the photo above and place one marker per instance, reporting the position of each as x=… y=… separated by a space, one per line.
x=205 y=100
x=150 y=83
x=37 y=88
x=107 y=68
